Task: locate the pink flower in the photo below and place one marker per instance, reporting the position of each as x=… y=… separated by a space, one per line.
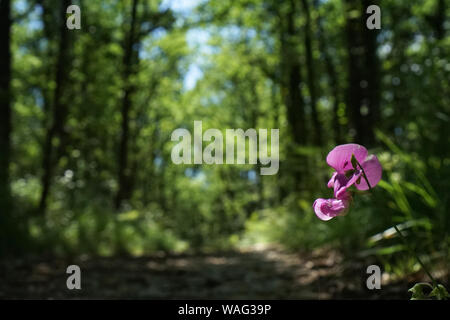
x=339 y=182
x=340 y=159
x=353 y=166
x=327 y=209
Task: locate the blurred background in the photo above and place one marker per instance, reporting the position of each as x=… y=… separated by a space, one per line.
x=86 y=176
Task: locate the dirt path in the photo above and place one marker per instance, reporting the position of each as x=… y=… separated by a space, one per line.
x=254 y=273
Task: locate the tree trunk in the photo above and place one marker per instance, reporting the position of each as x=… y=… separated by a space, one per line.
x=5 y=119
x=124 y=190
x=59 y=112
x=437 y=20
x=332 y=78
x=371 y=73
x=363 y=68
x=311 y=75
x=293 y=99
x=292 y=70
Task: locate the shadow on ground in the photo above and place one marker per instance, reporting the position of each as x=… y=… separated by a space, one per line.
x=254 y=273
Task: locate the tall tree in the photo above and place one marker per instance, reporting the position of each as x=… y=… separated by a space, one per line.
x=59 y=108
x=5 y=115
x=131 y=47
x=311 y=73
x=363 y=94
x=291 y=90
x=437 y=20
x=294 y=99
x=331 y=74
x=130 y=58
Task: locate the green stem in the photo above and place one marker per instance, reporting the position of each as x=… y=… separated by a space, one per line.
x=401 y=235
x=415 y=254
x=364 y=174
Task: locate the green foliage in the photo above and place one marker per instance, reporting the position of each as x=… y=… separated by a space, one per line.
x=438 y=292
x=246 y=54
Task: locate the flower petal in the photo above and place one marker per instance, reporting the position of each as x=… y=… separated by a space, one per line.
x=342 y=183
x=331 y=182
x=327 y=209
x=340 y=157
x=373 y=170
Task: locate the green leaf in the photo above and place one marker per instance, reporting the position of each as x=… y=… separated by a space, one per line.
x=417 y=291
x=349 y=173
x=354 y=161
x=440 y=292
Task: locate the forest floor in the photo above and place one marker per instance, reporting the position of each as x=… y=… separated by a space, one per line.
x=259 y=272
